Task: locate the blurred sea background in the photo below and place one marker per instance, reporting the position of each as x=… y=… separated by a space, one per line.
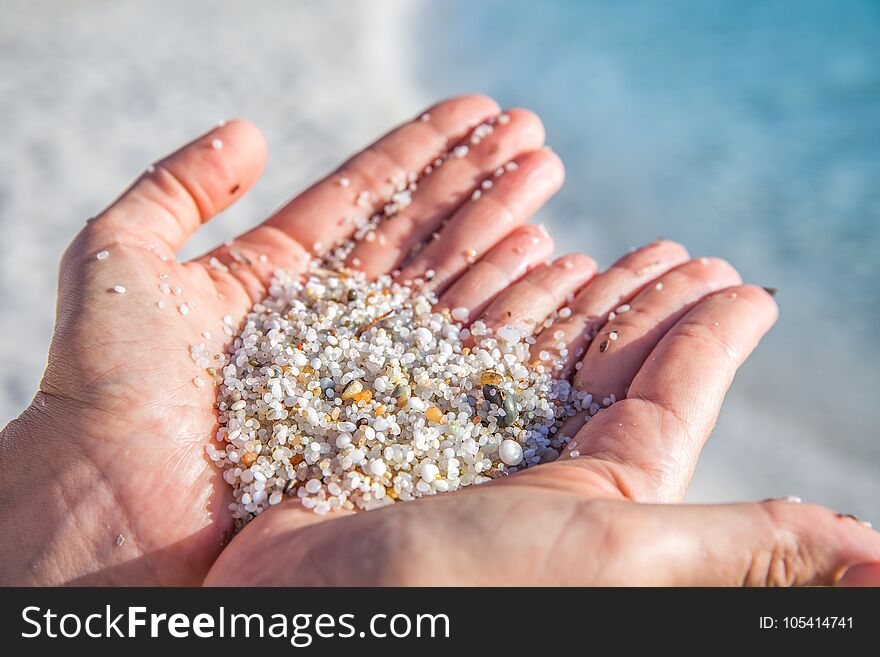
x=748 y=130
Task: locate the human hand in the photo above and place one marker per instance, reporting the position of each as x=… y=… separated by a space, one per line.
x=105 y=477
x=608 y=511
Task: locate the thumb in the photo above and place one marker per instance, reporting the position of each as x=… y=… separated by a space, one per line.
x=772 y=543
x=190 y=186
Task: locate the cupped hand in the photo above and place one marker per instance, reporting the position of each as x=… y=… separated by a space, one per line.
x=105 y=477
x=656 y=339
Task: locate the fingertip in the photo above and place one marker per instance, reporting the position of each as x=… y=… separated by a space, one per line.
x=242 y=141
x=757 y=296
x=861 y=575
x=476 y=104
x=548 y=167
x=671 y=248
x=540 y=171
x=529 y=125
x=644 y=259
x=720 y=268
x=577 y=262
x=557 y=163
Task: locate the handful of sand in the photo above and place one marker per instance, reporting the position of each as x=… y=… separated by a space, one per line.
x=353 y=394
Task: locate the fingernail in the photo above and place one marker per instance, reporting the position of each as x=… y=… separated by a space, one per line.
x=772 y=291
x=863 y=523
x=794 y=499
x=862 y=574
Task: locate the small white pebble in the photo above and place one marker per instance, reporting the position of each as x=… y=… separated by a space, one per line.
x=161 y=304
x=120 y=539
x=102 y=255
x=216 y=144
x=198 y=382
x=344 y=182
x=424 y=118
x=429 y=473
x=378 y=467
x=183 y=308
x=119 y=289
x=510 y=452
x=460 y=151
x=659 y=286
x=503 y=119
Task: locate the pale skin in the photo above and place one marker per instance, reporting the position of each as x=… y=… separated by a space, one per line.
x=113 y=444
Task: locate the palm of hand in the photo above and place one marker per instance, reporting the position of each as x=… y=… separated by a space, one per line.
x=137 y=411
x=135 y=418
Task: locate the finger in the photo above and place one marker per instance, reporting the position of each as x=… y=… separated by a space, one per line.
x=623 y=344
x=580 y=321
x=865 y=574
x=185 y=189
x=527 y=303
x=445 y=189
x=286 y=527
x=657 y=432
x=521 y=251
x=327 y=212
x=502 y=202
x=774 y=543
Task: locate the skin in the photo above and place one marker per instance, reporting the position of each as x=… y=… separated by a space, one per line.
x=113 y=443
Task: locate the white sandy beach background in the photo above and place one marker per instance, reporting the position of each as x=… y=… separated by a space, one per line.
x=92 y=91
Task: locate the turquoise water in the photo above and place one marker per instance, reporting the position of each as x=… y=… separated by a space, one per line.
x=748 y=130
